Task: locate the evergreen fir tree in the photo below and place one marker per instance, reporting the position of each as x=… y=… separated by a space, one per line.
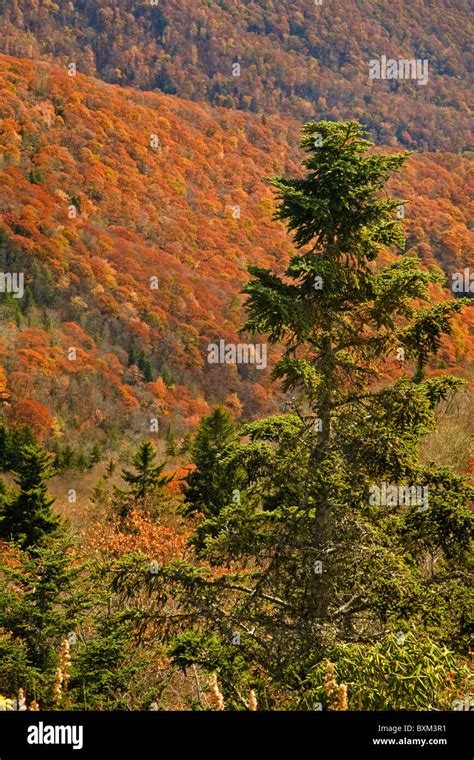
x=144 y=365
x=171 y=445
x=147 y=481
x=27 y=516
x=209 y=487
x=81 y=461
x=132 y=357
x=65 y=458
x=95 y=454
x=46 y=610
x=330 y=560
x=17 y=438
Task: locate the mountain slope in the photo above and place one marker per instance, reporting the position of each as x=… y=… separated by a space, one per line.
x=133 y=217
x=295 y=56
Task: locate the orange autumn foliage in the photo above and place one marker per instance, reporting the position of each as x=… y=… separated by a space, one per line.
x=4 y=392
x=164 y=214
x=33 y=414
x=139 y=533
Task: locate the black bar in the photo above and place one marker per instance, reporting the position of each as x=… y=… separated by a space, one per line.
x=170 y=734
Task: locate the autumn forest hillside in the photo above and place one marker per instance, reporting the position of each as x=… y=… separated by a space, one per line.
x=134 y=217
x=236 y=344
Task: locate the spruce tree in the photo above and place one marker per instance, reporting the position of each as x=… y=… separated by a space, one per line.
x=147 y=481
x=95 y=454
x=209 y=487
x=330 y=560
x=171 y=444
x=81 y=461
x=17 y=438
x=41 y=597
x=26 y=516
x=65 y=458
x=144 y=365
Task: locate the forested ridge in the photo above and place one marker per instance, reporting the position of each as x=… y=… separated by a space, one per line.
x=236 y=338
x=296 y=57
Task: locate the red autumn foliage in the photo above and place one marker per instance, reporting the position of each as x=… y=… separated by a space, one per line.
x=33 y=414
